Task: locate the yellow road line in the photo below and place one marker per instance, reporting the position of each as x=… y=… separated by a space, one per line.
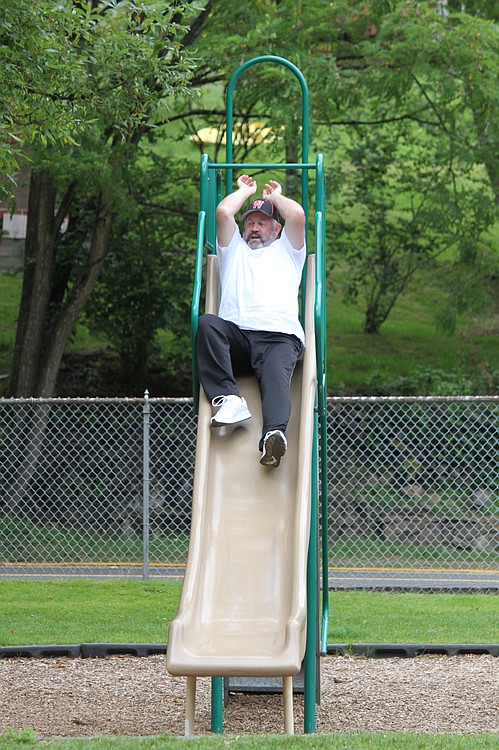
x=331 y=568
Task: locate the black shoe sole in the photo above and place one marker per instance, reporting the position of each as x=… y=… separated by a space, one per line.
x=275 y=448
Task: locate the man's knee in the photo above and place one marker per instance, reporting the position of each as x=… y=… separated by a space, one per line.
x=205 y=321
x=284 y=356
x=208 y=323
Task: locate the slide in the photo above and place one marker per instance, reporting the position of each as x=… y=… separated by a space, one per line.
x=243 y=605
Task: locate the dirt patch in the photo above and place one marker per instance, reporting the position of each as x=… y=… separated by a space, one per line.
x=126 y=695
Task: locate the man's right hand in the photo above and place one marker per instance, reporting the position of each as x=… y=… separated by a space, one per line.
x=245 y=182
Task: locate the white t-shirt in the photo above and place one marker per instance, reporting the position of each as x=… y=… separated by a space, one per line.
x=259 y=288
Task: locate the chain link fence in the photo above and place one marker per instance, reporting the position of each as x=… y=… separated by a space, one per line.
x=102 y=487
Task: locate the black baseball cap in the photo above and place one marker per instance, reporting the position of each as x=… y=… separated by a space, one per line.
x=264 y=206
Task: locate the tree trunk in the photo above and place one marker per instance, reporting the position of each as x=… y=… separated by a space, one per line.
x=40 y=364
x=37 y=285
x=75 y=301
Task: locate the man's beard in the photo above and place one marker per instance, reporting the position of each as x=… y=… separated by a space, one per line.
x=255 y=241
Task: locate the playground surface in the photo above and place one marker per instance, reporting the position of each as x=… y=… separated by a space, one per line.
x=131 y=696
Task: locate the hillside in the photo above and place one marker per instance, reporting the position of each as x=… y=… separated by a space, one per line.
x=409 y=356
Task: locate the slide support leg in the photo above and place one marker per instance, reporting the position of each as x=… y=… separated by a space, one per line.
x=190 y=706
x=287 y=694
x=217 y=694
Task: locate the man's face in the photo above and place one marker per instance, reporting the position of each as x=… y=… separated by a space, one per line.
x=260 y=230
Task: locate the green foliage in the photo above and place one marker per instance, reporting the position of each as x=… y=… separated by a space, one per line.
x=398 y=209
x=125 y=62
x=101 y=75
x=434 y=382
x=36 y=71
x=416 y=172
x=410 y=356
x=469 y=286
x=146 y=283
x=404 y=60
x=68 y=64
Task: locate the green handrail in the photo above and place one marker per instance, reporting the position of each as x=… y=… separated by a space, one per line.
x=210 y=194
x=263 y=165
x=320 y=335
x=309 y=662
x=196 y=296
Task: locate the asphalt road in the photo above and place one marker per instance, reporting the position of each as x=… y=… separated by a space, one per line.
x=339 y=578
x=383 y=578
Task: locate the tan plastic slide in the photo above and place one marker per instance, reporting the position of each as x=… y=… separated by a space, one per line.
x=243 y=605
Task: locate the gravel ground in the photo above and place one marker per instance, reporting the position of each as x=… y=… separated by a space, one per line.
x=126 y=695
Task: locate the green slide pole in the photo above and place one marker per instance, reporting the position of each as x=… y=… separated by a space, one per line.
x=217 y=690
x=320 y=332
x=196 y=294
x=230 y=114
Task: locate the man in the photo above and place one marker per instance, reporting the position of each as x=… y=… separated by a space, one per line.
x=257 y=329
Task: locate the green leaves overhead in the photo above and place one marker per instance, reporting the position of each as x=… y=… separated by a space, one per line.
x=67 y=64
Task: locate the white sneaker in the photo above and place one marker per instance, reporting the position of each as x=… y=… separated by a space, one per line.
x=274 y=448
x=231 y=410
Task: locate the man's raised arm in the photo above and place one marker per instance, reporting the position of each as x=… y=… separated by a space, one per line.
x=230 y=206
x=291 y=211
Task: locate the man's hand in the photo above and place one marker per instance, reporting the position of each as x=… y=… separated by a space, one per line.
x=247 y=183
x=271 y=189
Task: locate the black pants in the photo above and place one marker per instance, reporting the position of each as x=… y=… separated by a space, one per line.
x=225 y=351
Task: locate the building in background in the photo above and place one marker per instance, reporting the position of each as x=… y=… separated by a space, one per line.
x=13 y=221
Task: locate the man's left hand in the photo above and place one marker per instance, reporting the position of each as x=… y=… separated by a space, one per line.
x=271 y=189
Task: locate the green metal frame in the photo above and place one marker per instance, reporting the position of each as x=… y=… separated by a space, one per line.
x=210 y=195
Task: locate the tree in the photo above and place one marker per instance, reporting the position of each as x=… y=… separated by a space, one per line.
x=369 y=62
x=132 y=61
x=387 y=68
x=145 y=284
x=124 y=68
x=41 y=98
x=398 y=210
x=436 y=67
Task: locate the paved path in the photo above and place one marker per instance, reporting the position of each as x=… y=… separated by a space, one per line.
x=339 y=578
x=414 y=579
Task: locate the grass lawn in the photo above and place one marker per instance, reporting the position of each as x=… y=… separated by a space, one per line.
x=364 y=741
x=86 y=611
x=10 y=293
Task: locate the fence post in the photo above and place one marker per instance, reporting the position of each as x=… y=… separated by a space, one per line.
x=145 y=487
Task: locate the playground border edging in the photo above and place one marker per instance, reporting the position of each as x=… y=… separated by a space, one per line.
x=369 y=650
